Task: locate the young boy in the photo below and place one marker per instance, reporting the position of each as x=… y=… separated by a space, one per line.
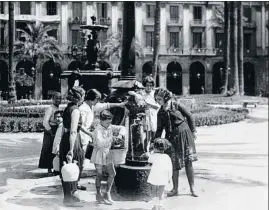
x=102 y=157
x=57 y=139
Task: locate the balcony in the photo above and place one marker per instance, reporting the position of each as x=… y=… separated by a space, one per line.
x=174 y=23
x=148 y=22
x=251 y=24
x=218 y=51
x=197 y=23
x=148 y=50
x=103 y=21
x=203 y=52
x=77 y=21
x=174 y=51
x=3 y=48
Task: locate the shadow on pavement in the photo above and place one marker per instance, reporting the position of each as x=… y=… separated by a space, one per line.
x=251 y=119
x=47 y=190
x=43 y=203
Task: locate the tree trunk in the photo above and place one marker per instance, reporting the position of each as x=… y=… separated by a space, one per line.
x=128 y=35
x=234 y=59
x=240 y=47
x=226 y=47
x=11 y=37
x=156 y=41
x=34 y=78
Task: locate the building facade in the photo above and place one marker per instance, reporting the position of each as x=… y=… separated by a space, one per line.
x=191 y=49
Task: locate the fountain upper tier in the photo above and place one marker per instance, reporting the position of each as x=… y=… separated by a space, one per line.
x=94 y=27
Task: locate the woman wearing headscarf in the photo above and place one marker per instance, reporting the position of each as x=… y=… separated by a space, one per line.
x=50 y=125
x=70 y=144
x=180 y=130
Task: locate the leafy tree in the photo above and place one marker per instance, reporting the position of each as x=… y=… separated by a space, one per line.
x=36 y=44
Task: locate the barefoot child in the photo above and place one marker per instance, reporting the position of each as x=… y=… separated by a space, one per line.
x=161 y=171
x=101 y=155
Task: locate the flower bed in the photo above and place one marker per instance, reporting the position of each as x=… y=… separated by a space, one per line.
x=26 y=102
x=202 y=118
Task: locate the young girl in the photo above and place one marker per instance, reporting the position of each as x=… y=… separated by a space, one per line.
x=101 y=155
x=161 y=171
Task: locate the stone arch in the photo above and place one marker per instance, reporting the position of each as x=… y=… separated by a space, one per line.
x=3 y=79
x=197 y=78
x=217 y=75
x=249 y=78
x=174 y=77
x=147 y=70
x=26 y=65
x=51 y=82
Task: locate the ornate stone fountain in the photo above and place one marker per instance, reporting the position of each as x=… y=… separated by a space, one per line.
x=132 y=176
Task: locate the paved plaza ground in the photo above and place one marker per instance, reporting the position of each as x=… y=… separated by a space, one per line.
x=231 y=174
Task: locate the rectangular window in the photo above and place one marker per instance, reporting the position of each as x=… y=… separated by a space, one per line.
x=197 y=13
x=174 y=39
x=149 y=39
x=174 y=12
x=102 y=10
x=150 y=11
x=20 y=25
x=247 y=14
x=76 y=38
x=51 y=8
x=77 y=9
x=2 y=7
x=219 y=38
x=2 y=35
x=247 y=41
x=25 y=8
x=197 y=40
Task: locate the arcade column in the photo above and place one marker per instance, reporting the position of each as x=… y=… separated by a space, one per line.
x=185 y=82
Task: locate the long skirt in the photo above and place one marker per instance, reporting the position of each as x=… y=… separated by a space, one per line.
x=78 y=155
x=46 y=156
x=183 y=147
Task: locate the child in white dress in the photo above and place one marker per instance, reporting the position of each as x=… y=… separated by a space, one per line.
x=161 y=171
x=102 y=157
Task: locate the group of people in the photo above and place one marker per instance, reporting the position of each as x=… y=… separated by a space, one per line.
x=68 y=134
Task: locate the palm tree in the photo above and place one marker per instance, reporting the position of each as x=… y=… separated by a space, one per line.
x=156 y=47
x=11 y=29
x=234 y=39
x=113 y=46
x=37 y=44
x=226 y=59
x=240 y=48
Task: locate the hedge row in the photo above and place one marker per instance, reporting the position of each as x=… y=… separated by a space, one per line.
x=209 y=118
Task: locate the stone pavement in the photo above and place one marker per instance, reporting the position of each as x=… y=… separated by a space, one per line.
x=231 y=174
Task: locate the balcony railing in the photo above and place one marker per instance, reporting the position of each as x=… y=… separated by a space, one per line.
x=148 y=22
x=148 y=50
x=174 y=22
x=103 y=21
x=175 y=51
x=203 y=51
x=77 y=20
x=251 y=24
x=219 y=51
x=3 y=48
x=197 y=23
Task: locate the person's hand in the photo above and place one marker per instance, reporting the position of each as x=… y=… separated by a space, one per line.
x=122 y=104
x=49 y=132
x=146 y=154
x=132 y=93
x=70 y=153
x=194 y=135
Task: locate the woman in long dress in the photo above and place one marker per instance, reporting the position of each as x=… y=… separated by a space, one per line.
x=50 y=125
x=71 y=142
x=179 y=127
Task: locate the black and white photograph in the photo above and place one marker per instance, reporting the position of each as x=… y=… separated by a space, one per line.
x=134 y=105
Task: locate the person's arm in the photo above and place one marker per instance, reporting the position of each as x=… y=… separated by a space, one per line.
x=84 y=126
x=152 y=105
x=160 y=125
x=47 y=117
x=73 y=130
x=188 y=116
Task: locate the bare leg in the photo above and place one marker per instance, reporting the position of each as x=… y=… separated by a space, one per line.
x=110 y=180
x=175 y=183
x=99 y=170
x=160 y=195
x=190 y=176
